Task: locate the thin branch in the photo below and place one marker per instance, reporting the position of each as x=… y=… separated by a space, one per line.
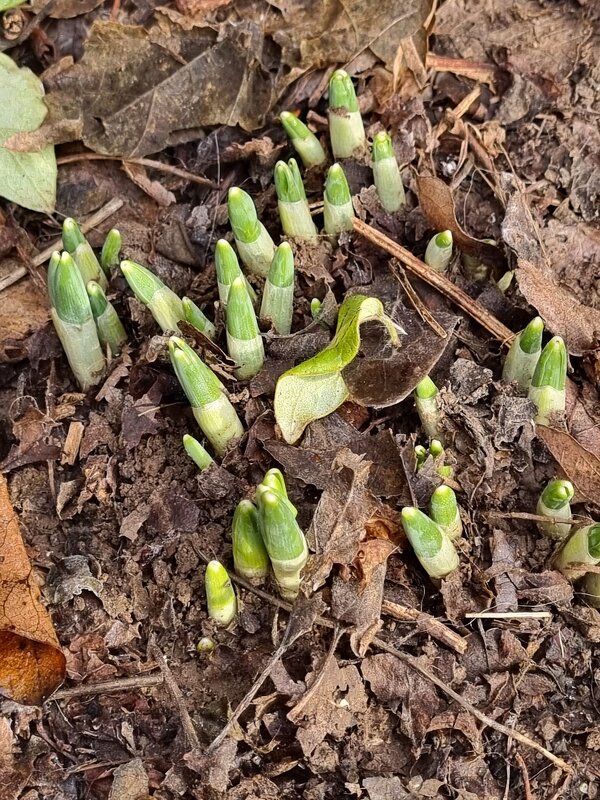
x=142 y=162
x=107 y=687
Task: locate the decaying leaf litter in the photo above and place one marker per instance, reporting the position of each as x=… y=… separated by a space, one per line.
x=120 y=523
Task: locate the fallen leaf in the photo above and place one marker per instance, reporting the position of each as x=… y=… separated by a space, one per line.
x=65 y=130
x=154 y=189
x=130 y=782
x=437 y=203
x=66 y=9
x=580 y=466
x=32 y=664
x=28 y=179
x=386 y=375
x=357 y=600
x=215 y=766
x=128 y=88
x=562 y=312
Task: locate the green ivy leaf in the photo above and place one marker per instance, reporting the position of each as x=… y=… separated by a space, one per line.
x=315 y=388
x=28 y=179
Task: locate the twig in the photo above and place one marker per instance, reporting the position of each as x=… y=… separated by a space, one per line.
x=192 y=740
x=575 y=519
x=142 y=162
x=525 y=776
x=95 y=219
x=426 y=623
x=118 y=685
x=487 y=721
x=509 y=615
x=416 y=301
x=437 y=280
x=461 y=109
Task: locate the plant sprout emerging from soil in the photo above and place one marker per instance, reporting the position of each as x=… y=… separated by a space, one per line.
x=386 y=173
x=82 y=254
x=109 y=257
x=548 y=383
x=432 y=546
x=162 y=302
x=220 y=596
x=228 y=269
x=244 y=342
x=197 y=318
x=524 y=355
x=294 y=212
x=214 y=413
x=346 y=129
x=278 y=293
x=250 y=557
x=304 y=141
x=315 y=388
x=580 y=549
x=426 y=403
x=338 y=210
x=439 y=251
x=199 y=455
x=253 y=242
x=555 y=502
x=73 y=320
x=111 y=332
x=444 y=511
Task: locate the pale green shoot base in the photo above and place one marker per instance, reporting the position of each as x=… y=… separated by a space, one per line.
x=166 y=309
x=554 y=530
x=257 y=255
x=249 y=354
x=438 y=258
x=310 y=151
x=82 y=348
x=388 y=182
x=347 y=134
x=296 y=220
x=442 y=564
x=337 y=218
x=519 y=367
x=220 y=424
x=278 y=306
x=429 y=414
x=575 y=551
x=550 y=403
x=287 y=574
x=110 y=330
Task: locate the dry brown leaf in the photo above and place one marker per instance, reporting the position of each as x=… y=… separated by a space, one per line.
x=580 y=466
x=562 y=312
x=65 y=130
x=32 y=664
x=154 y=189
x=437 y=203
x=67 y=9
x=130 y=782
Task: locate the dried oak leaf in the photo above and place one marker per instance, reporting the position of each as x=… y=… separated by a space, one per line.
x=437 y=203
x=32 y=664
x=315 y=35
x=139 y=91
x=580 y=466
x=563 y=313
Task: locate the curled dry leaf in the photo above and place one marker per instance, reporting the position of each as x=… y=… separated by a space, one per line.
x=32 y=664
x=437 y=203
x=563 y=313
x=580 y=466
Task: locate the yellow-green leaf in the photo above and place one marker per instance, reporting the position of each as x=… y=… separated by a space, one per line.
x=28 y=179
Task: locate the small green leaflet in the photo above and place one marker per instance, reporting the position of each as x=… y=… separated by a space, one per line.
x=315 y=388
x=6 y=4
x=28 y=179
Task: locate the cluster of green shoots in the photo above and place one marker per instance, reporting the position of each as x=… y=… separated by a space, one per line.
x=539 y=373
x=266 y=540
x=85 y=320
x=432 y=536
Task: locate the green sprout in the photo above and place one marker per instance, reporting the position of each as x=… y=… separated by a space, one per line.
x=214 y=413
x=244 y=342
x=109 y=257
x=547 y=390
x=197 y=319
x=294 y=212
x=278 y=295
x=205 y=645
x=304 y=141
x=338 y=211
x=439 y=251
x=111 y=332
x=386 y=174
x=426 y=403
x=73 y=320
x=275 y=481
x=315 y=308
x=580 y=549
x=284 y=541
x=432 y=546
x=555 y=502
x=524 y=355
x=228 y=269
x=444 y=511
x=220 y=597
x=420 y=456
x=199 y=455
x=254 y=244
x=250 y=557
x=346 y=129
x=163 y=304
x=82 y=254
x=315 y=388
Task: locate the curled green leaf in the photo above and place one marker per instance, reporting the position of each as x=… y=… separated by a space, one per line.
x=315 y=388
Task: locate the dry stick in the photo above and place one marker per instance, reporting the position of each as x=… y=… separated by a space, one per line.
x=142 y=162
x=525 y=775
x=437 y=280
x=487 y=721
x=118 y=685
x=509 y=615
x=416 y=301
x=411 y=662
x=95 y=219
x=575 y=519
x=189 y=731
x=427 y=624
